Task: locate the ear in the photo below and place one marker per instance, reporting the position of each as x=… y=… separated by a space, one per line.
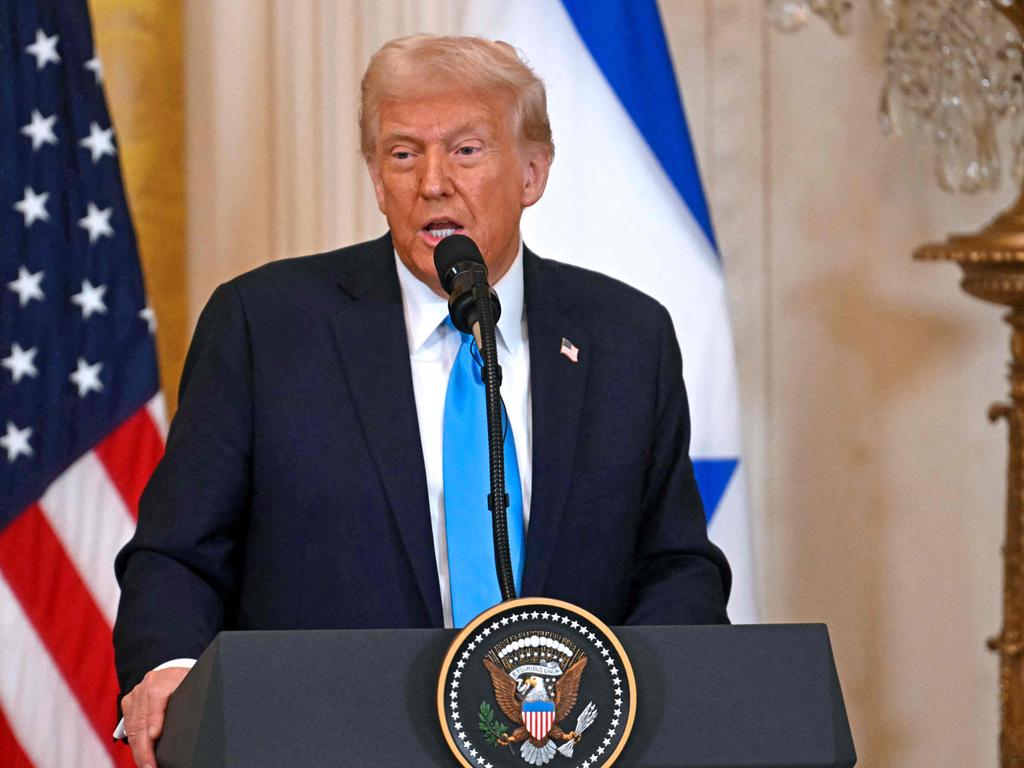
x=537 y=164
x=378 y=186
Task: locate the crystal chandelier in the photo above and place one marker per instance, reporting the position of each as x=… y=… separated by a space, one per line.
x=954 y=71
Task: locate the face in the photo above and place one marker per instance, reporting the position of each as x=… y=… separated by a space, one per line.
x=448 y=162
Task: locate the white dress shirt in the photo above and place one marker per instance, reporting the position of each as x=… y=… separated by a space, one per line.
x=433 y=346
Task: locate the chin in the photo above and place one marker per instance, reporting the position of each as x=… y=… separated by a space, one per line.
x=422 y=266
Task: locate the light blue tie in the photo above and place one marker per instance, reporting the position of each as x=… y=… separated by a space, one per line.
x=467 y=482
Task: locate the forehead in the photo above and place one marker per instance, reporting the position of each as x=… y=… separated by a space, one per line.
x=439 y=114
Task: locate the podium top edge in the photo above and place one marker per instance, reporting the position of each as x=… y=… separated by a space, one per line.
x=795 y=627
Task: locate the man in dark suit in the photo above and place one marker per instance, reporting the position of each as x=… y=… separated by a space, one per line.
x=301 y=485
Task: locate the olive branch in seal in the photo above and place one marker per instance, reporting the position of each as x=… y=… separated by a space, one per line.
x=490 y=726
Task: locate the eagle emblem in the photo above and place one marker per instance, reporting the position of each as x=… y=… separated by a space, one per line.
x=534 y=691
x=536 y=682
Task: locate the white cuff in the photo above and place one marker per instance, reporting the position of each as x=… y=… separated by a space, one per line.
x=183 y=663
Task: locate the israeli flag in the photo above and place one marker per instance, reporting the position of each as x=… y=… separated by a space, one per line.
x=625 y=198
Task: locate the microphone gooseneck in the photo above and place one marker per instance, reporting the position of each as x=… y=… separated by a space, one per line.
x=474 y=308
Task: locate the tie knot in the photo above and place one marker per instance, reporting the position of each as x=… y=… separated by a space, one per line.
x=466 y=337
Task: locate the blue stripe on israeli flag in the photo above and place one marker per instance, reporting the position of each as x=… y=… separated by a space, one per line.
x=625 y=198
x=628 y=43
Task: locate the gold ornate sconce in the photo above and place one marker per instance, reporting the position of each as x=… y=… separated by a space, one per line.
x=993 y=265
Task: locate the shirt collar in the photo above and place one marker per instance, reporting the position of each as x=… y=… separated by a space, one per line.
x=425 y=310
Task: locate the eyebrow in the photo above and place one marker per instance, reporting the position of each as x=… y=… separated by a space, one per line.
x=402 y=137
x=397 y=137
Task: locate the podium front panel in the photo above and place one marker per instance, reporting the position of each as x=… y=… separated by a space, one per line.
x=709 y=696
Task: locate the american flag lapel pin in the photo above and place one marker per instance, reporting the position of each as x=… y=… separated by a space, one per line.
x=570 y=350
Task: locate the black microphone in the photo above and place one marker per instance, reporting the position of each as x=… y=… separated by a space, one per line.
x=473 y=307
x=463 y=275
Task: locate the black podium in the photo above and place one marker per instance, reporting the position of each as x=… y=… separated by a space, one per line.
x=745 y=696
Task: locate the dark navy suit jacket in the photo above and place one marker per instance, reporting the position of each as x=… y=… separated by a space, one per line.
x=293 y=493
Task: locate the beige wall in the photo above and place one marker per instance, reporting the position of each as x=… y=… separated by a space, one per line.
x=876 y=481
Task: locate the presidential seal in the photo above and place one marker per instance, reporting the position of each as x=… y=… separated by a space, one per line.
x=536 y=681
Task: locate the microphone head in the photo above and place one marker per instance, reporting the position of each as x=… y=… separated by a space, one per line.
x=454 y=255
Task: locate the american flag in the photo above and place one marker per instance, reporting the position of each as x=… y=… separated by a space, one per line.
x=81 y=419
x=570 y=350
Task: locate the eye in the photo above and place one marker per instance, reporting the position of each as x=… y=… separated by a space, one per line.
x=467 y=151
x=401 y=154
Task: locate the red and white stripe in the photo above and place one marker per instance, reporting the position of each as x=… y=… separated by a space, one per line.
x=58 y=599
x=539 y=723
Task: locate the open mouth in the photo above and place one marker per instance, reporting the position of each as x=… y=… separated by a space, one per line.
x=439 y=229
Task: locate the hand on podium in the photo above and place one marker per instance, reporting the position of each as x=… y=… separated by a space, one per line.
x=144 y=709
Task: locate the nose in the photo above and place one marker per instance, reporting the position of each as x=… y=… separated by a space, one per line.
x=435 y=180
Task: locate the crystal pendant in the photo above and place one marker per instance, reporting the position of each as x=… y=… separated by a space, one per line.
x=888 y=114
x=791 y=15
x=788 y=15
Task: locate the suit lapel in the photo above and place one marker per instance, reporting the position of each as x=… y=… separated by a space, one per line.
x=372 y=343
x=557 y=388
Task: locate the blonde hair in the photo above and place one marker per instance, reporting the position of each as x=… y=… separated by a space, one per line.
x=403 y=66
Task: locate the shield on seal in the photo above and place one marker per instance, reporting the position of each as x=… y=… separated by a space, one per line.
x=538 y=717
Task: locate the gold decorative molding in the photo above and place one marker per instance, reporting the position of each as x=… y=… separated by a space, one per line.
x=141 y=46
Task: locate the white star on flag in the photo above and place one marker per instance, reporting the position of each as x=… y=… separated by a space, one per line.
x=40 y=130
x=99 y=142
x=149 y=316
x=95 y=66
x=21 y=362
x=27 y=286
x=97 y=222
x=15 y=442
x=44 y=49
x=87 y=377
x=90 y=299
x=33 y=206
